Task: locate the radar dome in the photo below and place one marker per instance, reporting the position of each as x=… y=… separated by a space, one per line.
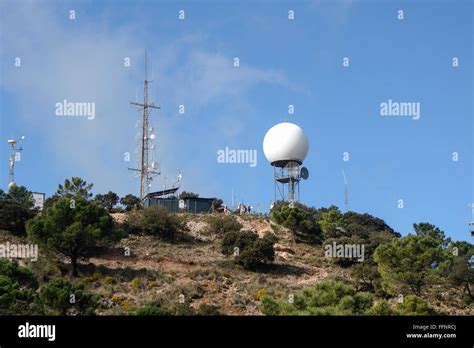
x=285 y=142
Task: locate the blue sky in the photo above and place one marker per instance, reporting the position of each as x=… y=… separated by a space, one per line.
x=282 y=62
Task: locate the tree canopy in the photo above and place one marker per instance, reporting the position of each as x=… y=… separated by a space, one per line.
x=184 y=195
x=75 y=187
x=300 y=219
x=407 y=264
x=71 y=227
x=107 y=201
x=16 y=207
x=130 y=201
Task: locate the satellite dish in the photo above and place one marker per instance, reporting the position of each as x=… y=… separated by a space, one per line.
x=304 y=173
x=152 y=136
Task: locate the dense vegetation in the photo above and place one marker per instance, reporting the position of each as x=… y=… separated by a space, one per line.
x=300 y=219
x=326 y=298
x=397 y=276
x=248 y=249
x=155 y=221
x=16 y=209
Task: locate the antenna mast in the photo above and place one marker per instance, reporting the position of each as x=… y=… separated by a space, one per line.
x=471 y=223
x=346 y=191
x=11 y=166
x=146 y=172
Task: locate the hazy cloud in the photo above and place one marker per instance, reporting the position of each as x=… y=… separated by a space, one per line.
x=61 y=61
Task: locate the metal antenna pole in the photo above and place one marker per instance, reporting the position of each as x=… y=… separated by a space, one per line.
x=144 y=167
x=11 y=166
x=346 y=192
x=471 y=223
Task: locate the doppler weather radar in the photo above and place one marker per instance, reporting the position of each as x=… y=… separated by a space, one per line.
x=285 y=146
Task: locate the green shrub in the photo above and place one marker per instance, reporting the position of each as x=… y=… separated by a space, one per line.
x=92 y=278
x=236 y=239
x=208 y=310
x=108 y=280
x=260 y=252
x=382 y=308
x=329 y=297
x=155 y=220
x=367 y=277
x=270 y=306
x=220 y=225
x=58 y=296
x=21 y=275
x=414 y=305
x=14 y=299
x=136 y=284
x=248 y=249
x=151 y=310
x=300 y=219
x=17 y=290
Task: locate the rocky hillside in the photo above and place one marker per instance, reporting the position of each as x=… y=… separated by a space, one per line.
x=191 y=273
x=197 y=268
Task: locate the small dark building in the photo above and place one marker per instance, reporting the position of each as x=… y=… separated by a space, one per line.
x=165 y=198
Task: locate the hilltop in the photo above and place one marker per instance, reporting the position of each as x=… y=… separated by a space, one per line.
x=190 y=274
x=97 y=257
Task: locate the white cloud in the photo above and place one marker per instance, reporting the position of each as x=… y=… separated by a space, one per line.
x=72 y=61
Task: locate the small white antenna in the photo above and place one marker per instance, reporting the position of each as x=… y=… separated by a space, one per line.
x=13 y=153
x=471 y=223
x=178 y=176
x=346 y=191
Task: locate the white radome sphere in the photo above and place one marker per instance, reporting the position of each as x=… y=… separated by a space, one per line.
x=285 y=142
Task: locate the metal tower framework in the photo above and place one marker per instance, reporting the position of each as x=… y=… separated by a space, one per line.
x=287 y=182
x=11 y=166
x=146 y=171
